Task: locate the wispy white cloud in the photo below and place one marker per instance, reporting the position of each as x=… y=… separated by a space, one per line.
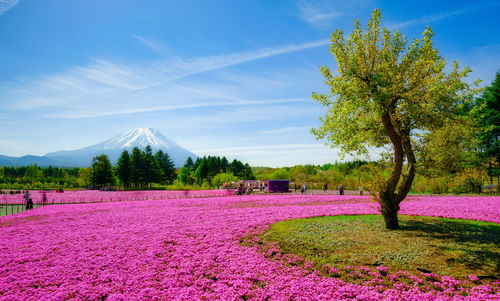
x=5 y=5
x=87 y=112
x=99 y=112
x=316 y=16
x=287 y=129
x=187 y=68
x=152 y=44
x=240 y=116
x=105 y=88
x=426 y=20
x=322 y=14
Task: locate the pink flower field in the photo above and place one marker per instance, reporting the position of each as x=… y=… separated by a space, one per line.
x=189 y=249
x=94 y=196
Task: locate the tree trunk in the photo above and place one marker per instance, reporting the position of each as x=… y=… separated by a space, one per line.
x=388 y=199
x=390 y=211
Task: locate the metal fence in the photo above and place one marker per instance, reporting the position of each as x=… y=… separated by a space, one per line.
x=15 y=203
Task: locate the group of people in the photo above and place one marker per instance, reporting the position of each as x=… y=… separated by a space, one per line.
x=103 y=188
x=10 y=192
x=244 y=190
x=303 y=190
x=29 y=201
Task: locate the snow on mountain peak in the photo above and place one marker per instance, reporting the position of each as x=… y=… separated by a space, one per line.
x=140 y=137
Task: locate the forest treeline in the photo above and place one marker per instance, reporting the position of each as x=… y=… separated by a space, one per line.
x=211 y=172
x=138 y=169
x=142 y=168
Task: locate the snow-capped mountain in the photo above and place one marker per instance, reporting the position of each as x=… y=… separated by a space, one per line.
x=139 y=137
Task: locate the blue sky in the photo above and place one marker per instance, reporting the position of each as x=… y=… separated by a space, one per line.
x=229 y=78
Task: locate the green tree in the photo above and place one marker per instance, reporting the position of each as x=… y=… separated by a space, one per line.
x=137 y=166
x=448 y=150
x=151 y=171
x=102 y=173
x=280 y=174
x=384 y=92
x=166 y=166
x=224 y=164
x=201 y=171
x=237 y=168
x=213 y=165
x=196 y=164
x=84 y=177
x=486 y=112
x=33 y=173
x=247 y=172
x=189 y=163
x=124 y=169
x=185 y=175
x=220 y=178
x=48 y=171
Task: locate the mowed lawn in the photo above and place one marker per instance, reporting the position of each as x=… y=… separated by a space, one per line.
x=195 y=249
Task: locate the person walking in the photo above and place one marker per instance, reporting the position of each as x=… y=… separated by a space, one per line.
x=29 y=204
x=304 y=188
x=26 y=196
x=341 y=190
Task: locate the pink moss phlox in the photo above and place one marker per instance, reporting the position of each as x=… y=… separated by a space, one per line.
x=192 y=249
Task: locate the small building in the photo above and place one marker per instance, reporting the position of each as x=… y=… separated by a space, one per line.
x=278 y=186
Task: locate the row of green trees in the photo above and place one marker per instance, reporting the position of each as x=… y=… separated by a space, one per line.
x=139 y=168
x=37 y=177
x=213 y=170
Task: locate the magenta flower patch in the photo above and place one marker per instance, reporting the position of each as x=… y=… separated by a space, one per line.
x=189 y=249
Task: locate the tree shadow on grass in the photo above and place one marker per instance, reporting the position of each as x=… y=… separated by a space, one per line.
x=479 y=242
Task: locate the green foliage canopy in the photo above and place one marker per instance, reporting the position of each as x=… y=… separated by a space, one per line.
x=379 y=74
x=223 y=177
x=486 y=112
x=166 y=166
x=102 y=172
x=123 y=168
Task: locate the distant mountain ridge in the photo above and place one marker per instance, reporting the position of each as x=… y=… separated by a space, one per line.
x=139 y=137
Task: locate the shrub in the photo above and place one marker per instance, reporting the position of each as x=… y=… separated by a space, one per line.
x=470 y=181
x=438 y=185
